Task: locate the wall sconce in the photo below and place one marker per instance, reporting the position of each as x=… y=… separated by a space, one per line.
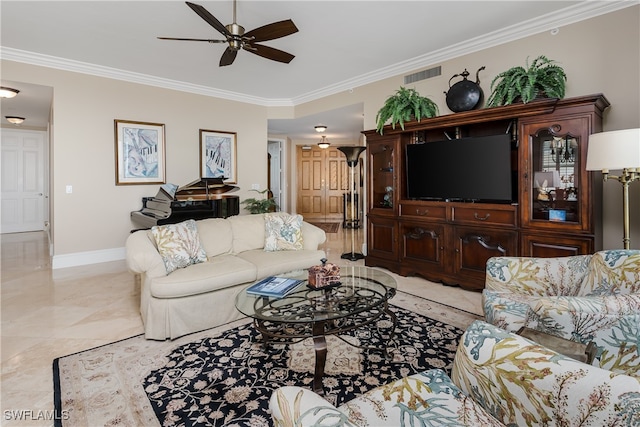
x=323 y=142
x=320 y=128
x=618 y=149
x=7 y=92
x=14 y=120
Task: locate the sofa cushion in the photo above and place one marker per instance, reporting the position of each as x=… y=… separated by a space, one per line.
x=519 y=381
x=248 y=232
x=429 y=395
x=612 y=322
x=222 y=272
x=507 y=310
x=282 y=232
x=614 y=271
x=179 y=245
x=216 y=236
x=274 y=263
x=429 y=398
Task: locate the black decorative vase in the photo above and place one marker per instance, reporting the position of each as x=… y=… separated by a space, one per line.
x=465 y=95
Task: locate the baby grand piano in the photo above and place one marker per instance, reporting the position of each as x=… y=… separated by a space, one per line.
x=200 y=199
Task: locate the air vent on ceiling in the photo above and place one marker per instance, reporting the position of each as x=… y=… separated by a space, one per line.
x=424 y=74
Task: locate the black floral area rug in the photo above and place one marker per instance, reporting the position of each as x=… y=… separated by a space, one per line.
x=228 y=380
x=225 y=376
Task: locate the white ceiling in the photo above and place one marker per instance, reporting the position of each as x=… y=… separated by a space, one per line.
x=340 y=45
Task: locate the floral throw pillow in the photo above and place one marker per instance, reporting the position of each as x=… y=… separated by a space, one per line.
x=282 y=232
x=179 y=245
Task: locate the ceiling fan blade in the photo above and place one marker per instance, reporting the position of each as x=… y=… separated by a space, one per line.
x=272 y=31
x=269 y=53
x=228 y=57
x=193 y=40
x=211 y=20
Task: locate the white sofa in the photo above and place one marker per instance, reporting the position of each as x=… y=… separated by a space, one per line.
x=202 y=295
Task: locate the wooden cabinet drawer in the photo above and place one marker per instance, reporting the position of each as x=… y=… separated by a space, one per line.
x=482 y=215
x=423 y=211
x=555 y=245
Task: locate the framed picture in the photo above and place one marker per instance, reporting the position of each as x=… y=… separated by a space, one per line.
x=218 y=155
x=140 y=153
x=557 y=215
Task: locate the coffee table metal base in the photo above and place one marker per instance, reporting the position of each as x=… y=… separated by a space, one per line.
x=292 y=333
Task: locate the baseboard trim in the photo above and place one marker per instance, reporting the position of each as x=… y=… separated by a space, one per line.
x=90 y=257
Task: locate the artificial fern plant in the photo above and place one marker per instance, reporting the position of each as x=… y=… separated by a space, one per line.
x=542 y=79
x=403 y=106
x=256 y=206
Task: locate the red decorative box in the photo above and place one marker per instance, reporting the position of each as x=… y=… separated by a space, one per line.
x=324 y=275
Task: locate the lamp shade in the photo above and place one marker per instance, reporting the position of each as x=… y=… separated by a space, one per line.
x=552 y=179
x=352 y=153
x=618 y=149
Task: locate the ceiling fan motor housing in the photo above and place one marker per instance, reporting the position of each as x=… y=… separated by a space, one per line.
x=237 y=31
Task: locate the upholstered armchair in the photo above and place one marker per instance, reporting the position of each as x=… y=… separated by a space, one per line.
x=579 y=298
x=498 y=379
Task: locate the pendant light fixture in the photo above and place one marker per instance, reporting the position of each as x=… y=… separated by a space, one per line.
x=323 y=142
x=14 y=120
x=7 y=92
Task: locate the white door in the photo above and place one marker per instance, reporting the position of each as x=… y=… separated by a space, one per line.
x=23 y=189
x=274 y=148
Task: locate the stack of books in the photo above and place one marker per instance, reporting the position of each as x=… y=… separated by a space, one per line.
x=276 y=287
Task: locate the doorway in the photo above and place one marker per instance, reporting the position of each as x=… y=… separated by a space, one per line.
x=323 y=179
x=24 y=193
x=275 y=177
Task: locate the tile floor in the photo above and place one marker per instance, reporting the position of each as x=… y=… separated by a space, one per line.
x=49 y=313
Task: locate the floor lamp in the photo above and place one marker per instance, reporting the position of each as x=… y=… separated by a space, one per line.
x=352 y=154
x=618 y=149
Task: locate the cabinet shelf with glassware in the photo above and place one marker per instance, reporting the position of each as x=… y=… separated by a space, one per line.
x=382 y=201
x=560 y=202
x=554 y=209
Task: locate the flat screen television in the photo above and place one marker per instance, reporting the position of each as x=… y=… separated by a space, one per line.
x=474 y=169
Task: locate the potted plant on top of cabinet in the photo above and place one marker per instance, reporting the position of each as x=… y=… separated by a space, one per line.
x=403 y=106
x=543 y=79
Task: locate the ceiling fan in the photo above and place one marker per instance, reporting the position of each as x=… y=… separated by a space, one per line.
x=238 y=39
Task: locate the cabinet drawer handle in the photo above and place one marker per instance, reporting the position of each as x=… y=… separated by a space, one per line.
x=418 y=232
x=423 y=213
x=484 y=218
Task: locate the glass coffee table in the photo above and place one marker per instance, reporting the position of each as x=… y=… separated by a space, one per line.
x=360 y=300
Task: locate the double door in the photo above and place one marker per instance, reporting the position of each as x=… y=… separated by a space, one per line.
x=323 y=179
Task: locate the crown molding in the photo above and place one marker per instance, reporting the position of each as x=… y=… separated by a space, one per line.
x=17 y=55
x=567 y=16
x=583 y=10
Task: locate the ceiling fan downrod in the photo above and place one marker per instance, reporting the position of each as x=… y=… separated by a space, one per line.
x=237 y=31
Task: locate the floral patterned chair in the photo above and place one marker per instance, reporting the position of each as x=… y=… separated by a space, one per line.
x=498 y=378
x=585 y=298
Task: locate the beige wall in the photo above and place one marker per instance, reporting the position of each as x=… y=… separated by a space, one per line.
x=95 y=217
x=600 y=55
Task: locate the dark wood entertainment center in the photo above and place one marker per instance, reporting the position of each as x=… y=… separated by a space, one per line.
x=450 y=241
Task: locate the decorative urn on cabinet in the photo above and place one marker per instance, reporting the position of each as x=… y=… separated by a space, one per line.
x=465 y=95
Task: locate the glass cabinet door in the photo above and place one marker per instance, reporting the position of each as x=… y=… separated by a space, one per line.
x=555 y=179
x=383 y=169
